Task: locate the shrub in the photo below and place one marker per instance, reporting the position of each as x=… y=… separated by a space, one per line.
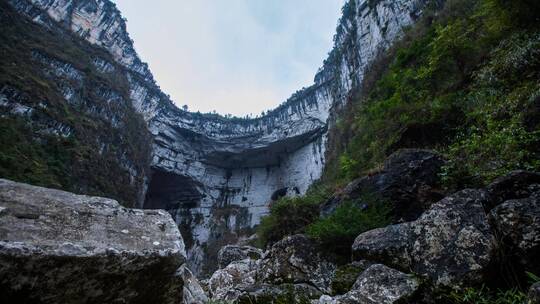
x=339 y=230
x=485 y=296
x=287 y=216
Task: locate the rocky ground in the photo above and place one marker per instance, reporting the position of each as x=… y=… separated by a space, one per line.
x=58 y=247
x=464 y=239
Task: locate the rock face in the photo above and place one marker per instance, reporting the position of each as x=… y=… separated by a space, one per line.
x=227 y=284
x=231 y=253
x=216 y=176
x=534 y=294
x=451 y=243
x=409 y=180
x=290 y=268
x=377 y=285
x=295 y=259
x=50 y=238
x=193 y=293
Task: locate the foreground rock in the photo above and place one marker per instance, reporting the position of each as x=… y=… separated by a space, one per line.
x=516 y=185
x=534 y=294
x=377 y=285
x=193 y=292
x=295 y=259
x=226 y=284
x=409 y=180
x=231 y=253
x=58 y=247
x=517 y=223
x=291 y=270
x=451 y=243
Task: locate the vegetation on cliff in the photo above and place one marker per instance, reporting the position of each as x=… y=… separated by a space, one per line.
x=92 y=155
x=464 y=81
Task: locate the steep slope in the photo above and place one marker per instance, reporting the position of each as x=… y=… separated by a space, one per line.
x=217 y=176
x=66 y=116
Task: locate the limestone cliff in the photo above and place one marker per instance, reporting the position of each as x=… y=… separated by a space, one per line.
x=217 y=176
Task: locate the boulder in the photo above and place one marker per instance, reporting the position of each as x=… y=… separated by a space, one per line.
x=409 y=180
x=451 y=243
x=193 y=291
x=515 y=185
x=58 y=247
x=378 y=285
x=232 y=253
x=346 y=275
x=534 y=294
x=517 y=223
x=284 y=293
x=295 y=260
x=224 y=284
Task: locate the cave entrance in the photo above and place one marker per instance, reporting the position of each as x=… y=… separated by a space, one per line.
x=171 y=191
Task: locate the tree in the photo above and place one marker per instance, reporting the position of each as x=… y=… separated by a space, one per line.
x=185 y=107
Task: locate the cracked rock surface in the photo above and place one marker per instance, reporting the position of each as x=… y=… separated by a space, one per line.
x=58 y=247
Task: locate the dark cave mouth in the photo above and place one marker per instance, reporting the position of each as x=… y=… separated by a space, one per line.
x=171 y=191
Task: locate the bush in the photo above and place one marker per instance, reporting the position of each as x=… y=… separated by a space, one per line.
x=339 y=230
x=485 y=296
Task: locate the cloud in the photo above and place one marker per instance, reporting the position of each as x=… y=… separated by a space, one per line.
x=232 y=56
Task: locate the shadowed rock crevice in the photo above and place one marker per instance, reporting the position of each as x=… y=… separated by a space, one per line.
x=170 y=191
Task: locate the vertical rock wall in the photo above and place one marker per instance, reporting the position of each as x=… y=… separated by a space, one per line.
x=217 y=176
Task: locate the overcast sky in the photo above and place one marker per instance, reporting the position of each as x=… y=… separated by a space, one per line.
x=232 y=56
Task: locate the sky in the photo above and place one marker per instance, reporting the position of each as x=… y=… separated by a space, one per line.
x=232 y=56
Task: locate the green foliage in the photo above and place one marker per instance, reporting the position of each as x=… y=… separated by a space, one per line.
x=485 y=296
x=469 y=78
x=339 y=230
x=288 y=216
x=88 y=159
x=533 y=278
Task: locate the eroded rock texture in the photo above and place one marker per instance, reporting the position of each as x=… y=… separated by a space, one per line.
x=378 y=285
x=451 y=243
x=216 y=176
x=58 y=247
x=409 y=182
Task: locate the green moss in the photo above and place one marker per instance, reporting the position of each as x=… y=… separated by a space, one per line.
x=345 y=277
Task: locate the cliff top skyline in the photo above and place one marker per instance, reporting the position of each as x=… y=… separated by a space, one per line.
x=233 y=57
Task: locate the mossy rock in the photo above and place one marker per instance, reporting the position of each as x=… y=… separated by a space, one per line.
x=346 y=275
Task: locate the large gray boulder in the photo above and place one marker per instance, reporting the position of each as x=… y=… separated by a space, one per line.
x=517 y=223
x=409 y=180
x=58 y=247
x=231 y=253
x=378 y=285
x=451 y=243
x=296 y=259
x=515 y=185
x=225 y=284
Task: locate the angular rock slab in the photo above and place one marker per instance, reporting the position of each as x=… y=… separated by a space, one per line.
x=294 y=260
x=409 y=180
x=224 y=283
x=377 y=285
x=450 y=243
x=58 y=247
x=193 y=291
x=517 y=223
x=233 y=253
